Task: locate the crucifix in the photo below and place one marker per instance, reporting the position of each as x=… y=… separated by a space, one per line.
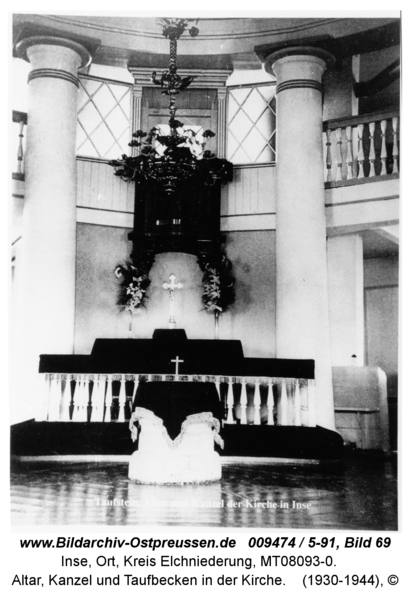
x=172 y=287
x=177 y=360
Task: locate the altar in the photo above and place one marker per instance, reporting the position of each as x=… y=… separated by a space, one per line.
x=258 y=407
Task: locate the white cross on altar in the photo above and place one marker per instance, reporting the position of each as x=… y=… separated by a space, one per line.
x=172 y=287
x=177 y=360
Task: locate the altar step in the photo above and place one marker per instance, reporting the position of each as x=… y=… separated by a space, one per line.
x=281 y=442
x=32 y=438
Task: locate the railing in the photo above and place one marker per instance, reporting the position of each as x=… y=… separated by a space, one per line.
x=19 y=124
x=355 y=148
x=359 y=148
x=109 y=398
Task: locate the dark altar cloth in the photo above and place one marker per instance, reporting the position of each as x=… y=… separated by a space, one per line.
x=204 y=357
x=173 y=402
x=201 y=357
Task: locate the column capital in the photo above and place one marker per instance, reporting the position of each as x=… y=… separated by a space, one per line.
x=137 y=90
x=222 y=93
x=295 y=54
x=24 y=45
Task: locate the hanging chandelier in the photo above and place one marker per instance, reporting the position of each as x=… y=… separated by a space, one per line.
x=177 y=157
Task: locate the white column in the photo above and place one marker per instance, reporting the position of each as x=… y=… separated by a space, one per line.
x=346 y=299
x=136 y=113
x=46 y=302
x=221 y=134
x=302 y=317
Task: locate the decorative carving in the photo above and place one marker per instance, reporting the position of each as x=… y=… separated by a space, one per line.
x=177 y=180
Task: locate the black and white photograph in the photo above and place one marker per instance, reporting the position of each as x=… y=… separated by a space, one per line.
x=204 y=288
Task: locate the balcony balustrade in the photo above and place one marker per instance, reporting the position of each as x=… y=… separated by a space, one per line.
x=357 y=149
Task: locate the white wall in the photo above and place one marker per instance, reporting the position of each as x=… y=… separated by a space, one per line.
x=346 y=310
x=381 y=277
x=252 y=320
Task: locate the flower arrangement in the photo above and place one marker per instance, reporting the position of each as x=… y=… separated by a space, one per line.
x=180 y=141
x=133 y=285
x=219 y=285
x=172 y=159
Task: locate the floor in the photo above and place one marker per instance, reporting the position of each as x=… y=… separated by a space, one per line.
x=359 y=492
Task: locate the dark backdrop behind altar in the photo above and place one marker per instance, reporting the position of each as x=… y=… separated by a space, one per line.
x=101 y=248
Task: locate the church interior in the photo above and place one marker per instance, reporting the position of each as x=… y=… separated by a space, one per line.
x=205 y=271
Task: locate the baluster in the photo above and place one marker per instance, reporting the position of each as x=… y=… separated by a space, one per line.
x=270 y=403
x=349 y=155
x=339 y=160
x=291 y=388
x=383 y=153
x=329 y=155
x=372 y=152
x=66 y=402
x=129 y=393
x=360 y=152
x=20 y=153
x=355 y=149
x=55 y=398
x=97 y=399
x=297 y=417
x=95 y=396
x=88 y=390
x=257 y=404
x=304 y=404
x=230 y=402
x=77 y=398
x=108 y=399
x=122 y=399
x=283 y=417
x=84 y=400
x=312 y=402
x=395 y=122
x=220 y=380
x=86 y=397
x=243 y=402
x=134 y=395
x=81 y=399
